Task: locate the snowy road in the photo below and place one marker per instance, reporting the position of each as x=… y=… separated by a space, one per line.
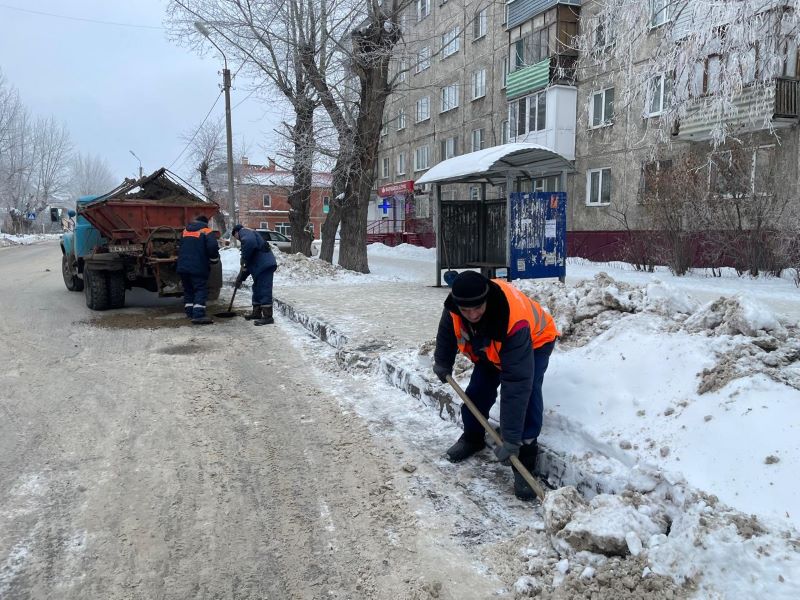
x=144 y=458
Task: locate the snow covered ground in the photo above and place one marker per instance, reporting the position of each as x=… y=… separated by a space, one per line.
x=675 y=404
x=6 y=239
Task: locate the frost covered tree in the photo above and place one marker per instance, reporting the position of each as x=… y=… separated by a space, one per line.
x=206 y=147
x=674 y=57
x=90 y=174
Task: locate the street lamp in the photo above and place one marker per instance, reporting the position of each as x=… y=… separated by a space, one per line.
x=226 y=86
x=140 y=162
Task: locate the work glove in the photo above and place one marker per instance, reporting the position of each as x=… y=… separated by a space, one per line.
x=442 y=372
x=505 y=451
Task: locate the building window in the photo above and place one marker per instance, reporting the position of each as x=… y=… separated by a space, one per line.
x=504 y=68
x=385 y=168
x=284 y=228
x=423 y=9
x=528 y=114
x=659 y=12
x=423 y=109
x=478 y=84
x=326 y=204
x=598 y=187
x=421 y=158
x=401 y=119
x=474 y=193
x=504 y=132
x=263 y=225
x=449 y=147
x=477 y=140
x=451 y=42
x=449 y=97
x=266 y=200
x=401 y=163
x=602 y=108
x=658 y=91
x=423 y=59
x=385 y=126
x=604 y=32
x=480 y=24
x=402 y=69
x=534 y=47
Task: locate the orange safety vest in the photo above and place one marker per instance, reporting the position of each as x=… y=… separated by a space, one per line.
x=187 y=233
x=522 y=310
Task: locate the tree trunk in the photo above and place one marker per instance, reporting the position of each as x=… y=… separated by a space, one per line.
x=300 y=195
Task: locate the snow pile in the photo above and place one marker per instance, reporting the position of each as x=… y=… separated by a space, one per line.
x=402 y=251
x=298 y=268
x=23 y=240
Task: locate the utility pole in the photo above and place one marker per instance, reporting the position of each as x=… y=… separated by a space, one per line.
x=226 y=87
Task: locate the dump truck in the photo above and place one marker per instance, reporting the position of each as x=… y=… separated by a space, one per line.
x=129 y=238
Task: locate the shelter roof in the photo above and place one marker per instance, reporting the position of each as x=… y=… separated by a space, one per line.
x=492 y=165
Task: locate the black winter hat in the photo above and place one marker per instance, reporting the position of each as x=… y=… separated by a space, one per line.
x=236 y=228
x=202 y=219
x=470 y=289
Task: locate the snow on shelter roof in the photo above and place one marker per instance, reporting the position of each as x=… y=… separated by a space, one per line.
x=492 y=165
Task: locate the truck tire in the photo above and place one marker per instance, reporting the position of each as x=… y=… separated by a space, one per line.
x=96 y=289
x=116 y=289
x=215 y=281
x=72 y=281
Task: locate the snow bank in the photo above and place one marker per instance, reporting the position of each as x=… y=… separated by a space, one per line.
x=24 y=240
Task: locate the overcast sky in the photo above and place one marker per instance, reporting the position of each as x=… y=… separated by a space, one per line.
x=121 y=88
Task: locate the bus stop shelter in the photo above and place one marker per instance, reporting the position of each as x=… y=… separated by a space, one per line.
x=472 y=234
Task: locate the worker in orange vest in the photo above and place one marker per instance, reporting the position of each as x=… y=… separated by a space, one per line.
x=509 y=338
x=198 y=250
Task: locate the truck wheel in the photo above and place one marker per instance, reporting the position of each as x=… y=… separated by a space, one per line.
x=96 y=289
x=215 y=281
x=116 y=289
x=72 y=281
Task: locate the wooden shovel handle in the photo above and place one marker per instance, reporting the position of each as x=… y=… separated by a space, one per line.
x=535 y=485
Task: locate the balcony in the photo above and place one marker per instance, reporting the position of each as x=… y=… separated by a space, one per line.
x=751 y=110
x=558 y=69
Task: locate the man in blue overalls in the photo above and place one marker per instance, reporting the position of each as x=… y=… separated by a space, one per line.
x=257 y=260
x=198 y=251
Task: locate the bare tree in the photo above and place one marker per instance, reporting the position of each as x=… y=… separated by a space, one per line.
x=90 y=175
x=347 y=56
x=207 y=153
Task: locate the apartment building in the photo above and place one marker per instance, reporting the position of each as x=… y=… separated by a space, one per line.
x=449 y=100
x=610 y=109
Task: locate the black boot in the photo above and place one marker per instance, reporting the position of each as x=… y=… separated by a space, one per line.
x=467 y=445
x=266 y=316
x=256 y=314
x=527 y=456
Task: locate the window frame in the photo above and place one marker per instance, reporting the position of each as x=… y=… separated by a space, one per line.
x=401 y=163
x=266 y=201
x=447 y=94
x=449 y=147
x=263 y=224
x=423 y=5
x=601 y=172
x=480 y=24
x=451 y=42
x=401 y=119
x=475 y=78
x=663 y=12
x=605 y=120
x=427 y=100
x=481 y=139
x=385 y=168
x=417 y=166
x=662 y=77
x=423 y=60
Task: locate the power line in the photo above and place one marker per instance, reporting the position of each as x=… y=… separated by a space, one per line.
x=70 y=18
x=196 y=132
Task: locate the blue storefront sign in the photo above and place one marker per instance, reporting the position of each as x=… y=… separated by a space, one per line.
x=538 y=235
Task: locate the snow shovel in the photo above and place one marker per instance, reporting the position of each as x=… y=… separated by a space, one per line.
x=535 y=485
x=230 y=313
x=449 y=275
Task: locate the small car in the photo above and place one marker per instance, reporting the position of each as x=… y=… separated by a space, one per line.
x=276 y=240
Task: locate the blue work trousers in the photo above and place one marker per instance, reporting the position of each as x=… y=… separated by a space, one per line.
x=482 y=390
x=262 y=287
x=195 y=294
